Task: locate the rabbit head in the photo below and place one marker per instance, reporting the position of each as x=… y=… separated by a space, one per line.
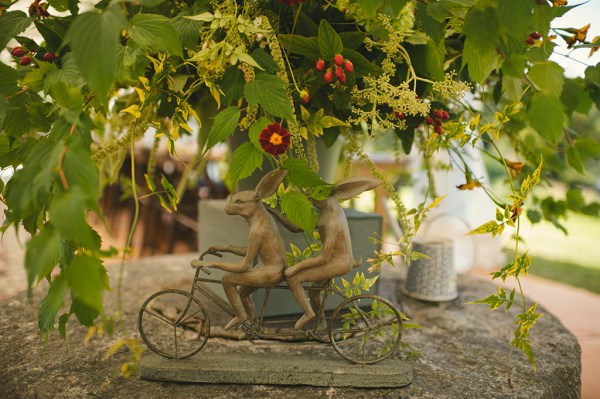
x=246 y=203
x=346 y=189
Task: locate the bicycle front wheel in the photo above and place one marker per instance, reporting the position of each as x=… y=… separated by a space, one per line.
x=365 y=329
x=174 y=324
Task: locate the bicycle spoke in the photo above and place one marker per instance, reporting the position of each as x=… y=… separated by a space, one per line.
x=169 y=322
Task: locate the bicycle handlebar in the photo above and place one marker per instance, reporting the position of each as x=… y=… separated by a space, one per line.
x=209 y=252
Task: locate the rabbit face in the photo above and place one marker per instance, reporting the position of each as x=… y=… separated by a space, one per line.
x=243 y=204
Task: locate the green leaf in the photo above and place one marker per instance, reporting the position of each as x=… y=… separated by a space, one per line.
x=299 y=210
x=352 y=40
x=94 y=38
x=62 y=325
x=148 y=3
x=270 y=92
x=362 y=66
x=256 y=129
x=330 y=42
x=68 y=74
x=532 y=179
x=80 y=171
x=481 y=28
x=265 y=60
x=244 y=161
x=546 y=116
x=86 y=276
x=574 y=159
x=34 y=79
x=85 y=314
x=514 y=17
x=131 y=63
x=59 y=5
x=11 y=24
x=592 y=74
x=223 y=126
x=480 y=62
x=488 y=227
x=187 y=29
x=155 y=33
x=44 y=250
x=53 y=31
x=305 y=46
x=548 y=77
x=515 y=65
x=300 y=174
x=434 y=60
x=68 y=214
x=8 y=80
x=52 y=303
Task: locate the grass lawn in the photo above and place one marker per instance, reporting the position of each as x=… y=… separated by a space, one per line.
x=573 y=259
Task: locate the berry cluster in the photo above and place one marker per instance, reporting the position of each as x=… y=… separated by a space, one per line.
x=436 y=118
x=533 y=36
x=25 y=56
x=338 y=69
x=290 y=3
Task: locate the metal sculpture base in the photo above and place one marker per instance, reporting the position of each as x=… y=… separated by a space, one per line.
x=274 y=369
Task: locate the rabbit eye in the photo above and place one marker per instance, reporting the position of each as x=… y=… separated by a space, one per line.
x=238 y=201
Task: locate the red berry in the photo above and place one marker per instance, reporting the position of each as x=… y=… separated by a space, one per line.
x=26 y=60
x=339 y=72
x=328 y=76
x=535 y=35
x=429 y=120
x=348 y=66
x=18 y=52
x=49 y=57
x=438 y=114
x=400 y=115
x=530 y=40
x=320 y=65
x=438 y=121
x=338 y=59
x=304 y=96
x=343 y=78
x=445 y=115
x=438 y=129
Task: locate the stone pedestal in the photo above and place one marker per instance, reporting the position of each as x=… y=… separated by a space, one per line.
x=218 y=228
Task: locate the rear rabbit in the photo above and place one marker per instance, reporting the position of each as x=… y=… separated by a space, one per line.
x=264 y=239
x=335 y=258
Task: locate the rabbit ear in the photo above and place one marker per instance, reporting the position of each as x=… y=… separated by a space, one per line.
x=268 y=184
x=353 y=186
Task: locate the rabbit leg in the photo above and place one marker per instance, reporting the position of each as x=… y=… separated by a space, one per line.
x=300 y=296
x=315 y=297
x=248 y=303
x=234 y=299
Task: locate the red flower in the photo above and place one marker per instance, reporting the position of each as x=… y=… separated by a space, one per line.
x=274 y=139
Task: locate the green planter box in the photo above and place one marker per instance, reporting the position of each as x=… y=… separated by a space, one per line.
x=218 y=228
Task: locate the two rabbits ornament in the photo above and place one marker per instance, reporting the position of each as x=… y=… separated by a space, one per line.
x=265 y=240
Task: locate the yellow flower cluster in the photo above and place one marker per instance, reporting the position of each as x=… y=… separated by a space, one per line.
x=450 y=88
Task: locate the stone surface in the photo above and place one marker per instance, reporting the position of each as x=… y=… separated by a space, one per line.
x=465 y=351
x=269 y=368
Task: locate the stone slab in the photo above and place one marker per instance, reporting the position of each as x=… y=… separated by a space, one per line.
x=274 y=369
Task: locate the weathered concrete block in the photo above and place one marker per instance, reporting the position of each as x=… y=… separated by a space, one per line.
x=274 y=369
x=218 y=228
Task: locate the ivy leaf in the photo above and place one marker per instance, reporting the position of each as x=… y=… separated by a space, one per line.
x=270 y=93
x=305 y=46
x=44 y=250
x=548 y=77
x=546 y=116
x=223 y=126
x=86 y=275
x=11 y=24
x=154 y=32
x=244 y=161
x=94 y=38
x=52 y=303
x=330 y=43
x=300 y=174
x=299 y=210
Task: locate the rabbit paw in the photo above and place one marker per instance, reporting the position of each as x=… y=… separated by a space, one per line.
x=199 y=263
x=289 y=272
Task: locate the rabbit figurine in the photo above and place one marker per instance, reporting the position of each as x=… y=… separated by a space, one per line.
x=336 y=257
x=264 y=239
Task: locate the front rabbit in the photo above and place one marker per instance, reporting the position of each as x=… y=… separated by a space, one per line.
x=264 y=240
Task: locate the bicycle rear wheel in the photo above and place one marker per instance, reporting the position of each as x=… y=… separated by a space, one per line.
x=365 y=329
x=174 y=324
